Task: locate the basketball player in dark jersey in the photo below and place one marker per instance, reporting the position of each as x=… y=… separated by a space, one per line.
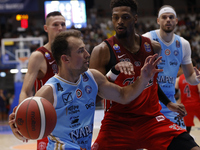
x=139 y=124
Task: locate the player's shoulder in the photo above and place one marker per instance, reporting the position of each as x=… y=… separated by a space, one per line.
x=148 y=34
x=101 y=47
x=95 y=73
x=36 y=55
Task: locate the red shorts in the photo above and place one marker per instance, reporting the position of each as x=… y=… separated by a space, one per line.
x=192 y=111
x=131 y=133
x=42 y=144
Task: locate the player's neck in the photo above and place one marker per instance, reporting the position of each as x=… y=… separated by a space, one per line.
x=68 y=75
x=48 y=46
x=131 y=43
x=167 y=37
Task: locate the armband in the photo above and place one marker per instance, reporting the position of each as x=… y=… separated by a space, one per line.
x=112 y=74
x=162 y=97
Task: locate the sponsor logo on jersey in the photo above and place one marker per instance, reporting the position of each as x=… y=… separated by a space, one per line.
x=173 y=63
x=90 y=104
x=178 y=44
x=125 y=59
x=150 y=83
x=167 y=52
x=67 y=98
x=128 y=81
x=175 y=127
x=156 y=39
x=160 y=118
x=176 y=52
x=74 y=119
x=42 y=145
x=120 y=56
x=137 y=63
x=47 y=55
x=162 y=62
x=166 y=79
x=81 y=132
x=85 y=77
x=88 y=89
x=147 y=47
x=55 y=68
x=79 y=93
x=51 y=62
x=116 y=47
x=73 y=109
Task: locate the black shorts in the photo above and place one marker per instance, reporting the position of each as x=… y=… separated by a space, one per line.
x=182 y=142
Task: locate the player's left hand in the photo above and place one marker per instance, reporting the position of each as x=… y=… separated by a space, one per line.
x=179 y=108
x=15 y=130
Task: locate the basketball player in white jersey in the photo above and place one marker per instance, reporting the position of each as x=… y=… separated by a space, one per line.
x=175 y=51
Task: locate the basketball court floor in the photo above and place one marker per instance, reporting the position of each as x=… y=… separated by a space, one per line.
x=9 y=142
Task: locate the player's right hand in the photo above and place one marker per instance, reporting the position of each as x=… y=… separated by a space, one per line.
x=14 y=129
x=149 y=69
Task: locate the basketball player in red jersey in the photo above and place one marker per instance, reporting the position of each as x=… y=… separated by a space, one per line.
x=41 y=66
x=139 y=124
x=190 y=98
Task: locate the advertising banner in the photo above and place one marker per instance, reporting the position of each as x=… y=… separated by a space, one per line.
x=16 y=6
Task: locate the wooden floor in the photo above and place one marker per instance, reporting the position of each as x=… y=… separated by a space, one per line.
x=9 y=142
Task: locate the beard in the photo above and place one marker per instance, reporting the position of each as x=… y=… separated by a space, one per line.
x=168 y=30
x=122 y=35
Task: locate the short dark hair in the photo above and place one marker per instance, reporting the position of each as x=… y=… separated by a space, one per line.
x=60 y=45
x=130 y=3
x=54 y=13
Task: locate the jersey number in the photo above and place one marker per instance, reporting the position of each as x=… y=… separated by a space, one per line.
x=187 y=91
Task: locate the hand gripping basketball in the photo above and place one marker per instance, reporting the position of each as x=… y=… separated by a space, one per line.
x=35 y=118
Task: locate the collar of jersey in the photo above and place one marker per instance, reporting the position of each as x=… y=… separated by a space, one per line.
x=68 y=82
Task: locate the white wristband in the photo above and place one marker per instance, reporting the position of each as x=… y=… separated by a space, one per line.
x=111 y=76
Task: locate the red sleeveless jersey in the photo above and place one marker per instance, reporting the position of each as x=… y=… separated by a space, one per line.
x=51 y=68
x=189 y=93
x=147 y=103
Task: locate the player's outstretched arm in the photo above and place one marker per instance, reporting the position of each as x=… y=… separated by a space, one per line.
x=126 y=94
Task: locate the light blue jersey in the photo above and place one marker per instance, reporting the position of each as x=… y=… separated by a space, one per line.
x=75 y=106
x=173 y=55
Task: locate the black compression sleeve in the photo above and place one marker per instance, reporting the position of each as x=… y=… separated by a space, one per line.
x=162 y=97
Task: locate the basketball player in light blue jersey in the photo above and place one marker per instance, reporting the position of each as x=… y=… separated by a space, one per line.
x=175 y=51
x=74 y=89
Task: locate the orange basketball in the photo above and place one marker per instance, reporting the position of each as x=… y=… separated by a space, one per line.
x=35 y=118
